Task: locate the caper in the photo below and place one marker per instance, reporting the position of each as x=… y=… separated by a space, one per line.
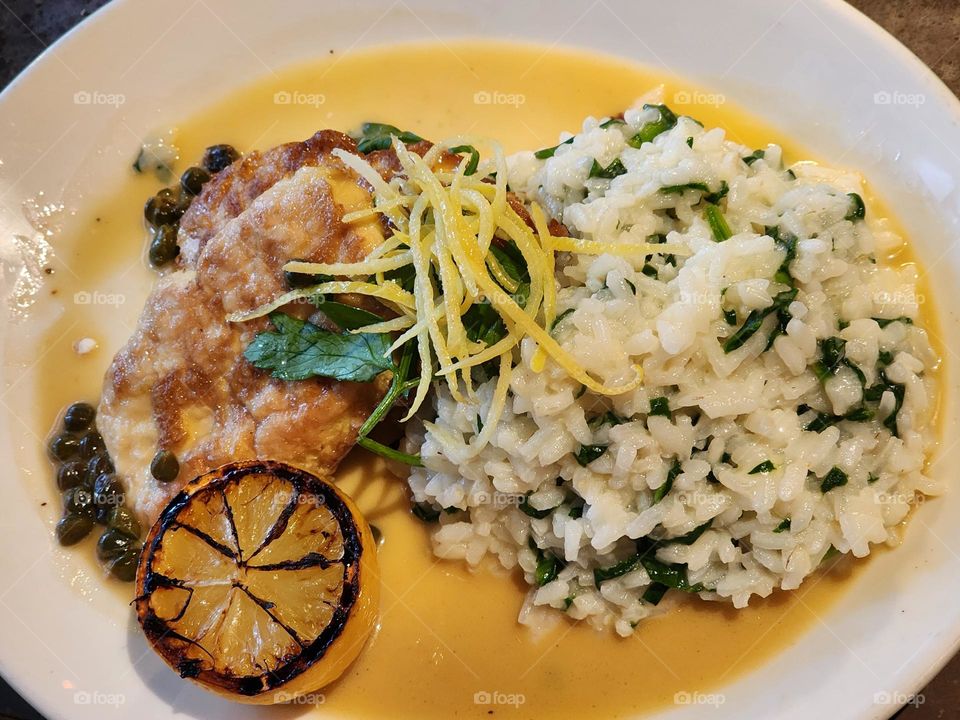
x=91 y=444
x=97 y=466
x=218 y=157
x=73 y=528
x=165 y=467
x=193 y=180
x=164 y=208
x=112 y=544
x=124 y=568
x=70 y=475
x=64 y=447
x=79 y=501
x=122 y=519
x=108 y=493
x=79 y=416
x=163 y=247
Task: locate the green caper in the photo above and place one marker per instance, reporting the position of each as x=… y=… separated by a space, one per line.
x=97 y=466
x=79 y=501
x=218 y=157
x=108 y=493
x=193 y=180
x=165 y=467
x=164 y=208
x=163 y=247
x=70 y=475
x=79 y=416
x=64 y=447
x=124 y=567
x=91 y=444
x=122 y=519
x=73 y=528
x=112 y=544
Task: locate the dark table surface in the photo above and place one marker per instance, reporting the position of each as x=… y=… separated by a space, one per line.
x=931 y=28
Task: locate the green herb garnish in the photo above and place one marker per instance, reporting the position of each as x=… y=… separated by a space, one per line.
x=652 y=129
x=588 y=453
x=660 y=406
x=614 y=169
x=474 y=157
x=377 y=136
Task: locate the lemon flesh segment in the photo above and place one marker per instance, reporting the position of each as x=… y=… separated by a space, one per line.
x=259 y=582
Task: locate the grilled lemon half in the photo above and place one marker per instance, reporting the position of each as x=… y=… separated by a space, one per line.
x=259 y=581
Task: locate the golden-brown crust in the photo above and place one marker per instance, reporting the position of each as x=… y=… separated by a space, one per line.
x=181 y=382
x=233 y=189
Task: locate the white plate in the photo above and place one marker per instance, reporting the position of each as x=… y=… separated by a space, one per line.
x=814 y=68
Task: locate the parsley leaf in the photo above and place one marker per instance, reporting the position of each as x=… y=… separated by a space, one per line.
x=300 y=350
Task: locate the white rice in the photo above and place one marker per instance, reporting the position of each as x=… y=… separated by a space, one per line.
x=730 y=411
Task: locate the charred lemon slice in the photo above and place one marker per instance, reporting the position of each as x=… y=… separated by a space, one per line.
x=259 y=582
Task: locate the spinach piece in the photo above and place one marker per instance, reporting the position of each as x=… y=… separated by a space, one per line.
x=754 y=156
x=730 y=316
x=376 y=136
x=661 y=492
x=746 y=331
x=474 y=157
x=652 y=129
x=883 y=322
x=660 y=406
x=601 y=575
x=718 y=223
x=710 y=197
x=783 y=526
x=832 y=354
x=858 y=210
x=548 y=567
x=788 y=242
x=300 y=350
x=559 y=318
x=528 y=509
x=614 y=169
x=824 y=420
x=689 y=145
x=426 y=512
x=764 y=467
x=673 y=576
x=588 y=453
x=654 y=593
x=679 y=189
x=833 y=479
x=691 y=537
x=719 y=195
x=548 y=564
x=650 y=271
x=860 y=414
x=549 y=152
x=891 y=420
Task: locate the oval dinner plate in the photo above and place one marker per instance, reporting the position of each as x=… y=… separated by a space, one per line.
x=815 y=69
